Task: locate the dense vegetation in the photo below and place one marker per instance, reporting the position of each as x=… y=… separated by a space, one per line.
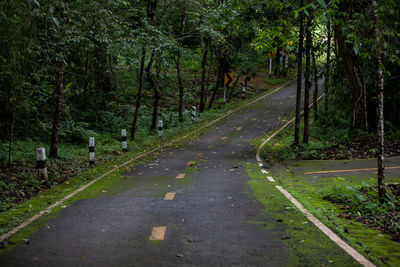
x=72 y=69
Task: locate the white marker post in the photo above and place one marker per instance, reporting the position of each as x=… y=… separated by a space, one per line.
x=123 y=140
x=91 y=151
x=41 y=163
x=270 y=67
x=160 y=128
x=243 y=91
x=224 y=94
x=193 y=114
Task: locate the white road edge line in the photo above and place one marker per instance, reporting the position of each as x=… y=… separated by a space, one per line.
x=271 y=179
x=59 y=202
x=342 y=244
x=351 y=251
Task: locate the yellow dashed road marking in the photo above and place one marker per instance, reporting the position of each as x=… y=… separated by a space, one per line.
x=353 y=170
x=180 y=176
x=158 y=233
x=169 y=196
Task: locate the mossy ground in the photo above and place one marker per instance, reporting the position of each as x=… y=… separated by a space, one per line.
x=308 y=190
x=307 y=245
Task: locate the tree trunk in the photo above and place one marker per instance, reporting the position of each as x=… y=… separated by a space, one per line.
x=381 y=121
x=315 y=81
x=58 y=108
x=178 y=62
x=307 y=82
x=217 y=84
x=11 y=136
x=328 y=60
x=203 y=76
x=299 y=78
x=154 y=85
x=139 y=94
x=353 y=70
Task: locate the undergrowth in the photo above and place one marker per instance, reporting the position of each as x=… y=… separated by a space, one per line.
x=361 y=202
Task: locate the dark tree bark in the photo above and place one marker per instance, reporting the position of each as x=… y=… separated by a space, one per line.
x=203 y=76
x=328 y=61
x=315 y=81
x=381 y=121
x=154 y=85
x=178 y=62
x=58 y=108
x=139 y=94
x=307 y=82
x=151 y=12
x=11 y=136
x=353 y=70
x=299 y=78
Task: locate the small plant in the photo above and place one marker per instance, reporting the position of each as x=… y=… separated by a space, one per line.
x=363 y=204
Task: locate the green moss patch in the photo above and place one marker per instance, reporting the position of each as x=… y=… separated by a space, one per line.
x=307 y=245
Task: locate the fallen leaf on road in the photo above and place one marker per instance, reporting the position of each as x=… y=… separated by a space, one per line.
x=190 y=163
x=179 y=255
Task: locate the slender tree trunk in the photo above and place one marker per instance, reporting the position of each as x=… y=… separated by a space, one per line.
x=353 y=69
x=307 y=85
x=381 y=121
x=58 y=108
x=178 y=62
x=299 y=78
x=315 y=80
x=203 y=76
x=328 y=60
x=11 y=136
x=139 y=94
x=217 y=84
x=154 y=85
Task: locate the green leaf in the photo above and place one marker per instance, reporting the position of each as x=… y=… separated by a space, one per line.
x=56 y=22
x=322 y=3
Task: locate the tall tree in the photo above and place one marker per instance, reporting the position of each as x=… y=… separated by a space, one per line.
x=299 y=77
x=307 y=82
x=58 y=107
x=351 y=61
x=151 y=12
x=315 y=81
x=381 y=121
x=328 y=61
x=178 y=61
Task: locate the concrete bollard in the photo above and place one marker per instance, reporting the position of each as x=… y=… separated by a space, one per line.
x=193 y=114
x=160 y=128
x=91 y=151
x=41 y=163
x=123 y=140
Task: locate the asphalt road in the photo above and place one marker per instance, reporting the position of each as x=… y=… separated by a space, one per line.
x=208 y=223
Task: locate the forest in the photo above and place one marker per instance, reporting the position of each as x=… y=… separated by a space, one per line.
x=74 y=69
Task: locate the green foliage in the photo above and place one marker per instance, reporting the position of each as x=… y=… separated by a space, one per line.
x=363 y=204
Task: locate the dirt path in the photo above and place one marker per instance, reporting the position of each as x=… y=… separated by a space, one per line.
x=211 y=218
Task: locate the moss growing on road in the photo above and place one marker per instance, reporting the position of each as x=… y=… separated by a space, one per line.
x=307 y=245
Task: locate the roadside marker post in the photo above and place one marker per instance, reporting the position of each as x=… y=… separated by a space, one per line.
x=160 y=128
x=193 y=114
x=41 y=163
x=228 y=82
x=124 y=142
x=91 y=151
